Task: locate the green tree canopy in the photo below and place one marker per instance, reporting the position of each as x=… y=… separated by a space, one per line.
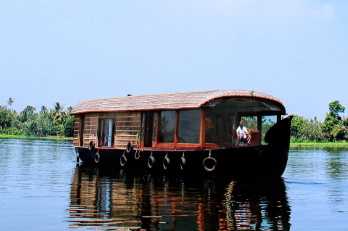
x=304 y=130
x=48 y=122
x=10 y=101
x=333 y=126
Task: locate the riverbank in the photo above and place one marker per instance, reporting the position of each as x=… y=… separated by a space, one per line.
x=342 y=144
x=5 y=136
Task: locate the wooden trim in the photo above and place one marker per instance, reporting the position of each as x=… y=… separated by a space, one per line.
x=176 y=127
x=211 y=145
x=166 y=145
x=142 y=131
x=156 y=128
x=259 y=127
x=180 y=145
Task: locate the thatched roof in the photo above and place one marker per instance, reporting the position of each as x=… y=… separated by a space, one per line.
x=170 y=101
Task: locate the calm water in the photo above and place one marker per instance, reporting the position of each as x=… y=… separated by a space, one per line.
x=42 y=188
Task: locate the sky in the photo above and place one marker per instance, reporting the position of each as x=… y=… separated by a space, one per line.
x=69 y=51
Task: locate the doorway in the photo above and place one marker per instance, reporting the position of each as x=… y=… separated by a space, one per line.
x=148 y=128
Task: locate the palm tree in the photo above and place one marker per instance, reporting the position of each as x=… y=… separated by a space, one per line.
x=10 y=101
x=43 y=110
x=58 y=108
x=57 y=111
x=27 y=113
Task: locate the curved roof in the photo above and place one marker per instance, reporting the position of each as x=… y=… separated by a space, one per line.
x=169 y=101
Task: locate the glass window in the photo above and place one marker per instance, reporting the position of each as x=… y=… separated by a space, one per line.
x=189 y=126
x=210 y=129
x=106 y=132
x=167 y=126
x=267 y=123
x=219 y=127
x=250 y=122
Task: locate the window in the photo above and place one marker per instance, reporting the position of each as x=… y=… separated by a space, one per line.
x=267 y=123
x=106 y=132
x=189 y=126
x=251 y=124
x=220 y=127
x=167 y=127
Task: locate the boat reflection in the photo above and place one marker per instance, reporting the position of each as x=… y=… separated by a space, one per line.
x=110 y=200
x=256 y=206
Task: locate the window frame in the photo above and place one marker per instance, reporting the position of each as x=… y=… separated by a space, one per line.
x=176 y=144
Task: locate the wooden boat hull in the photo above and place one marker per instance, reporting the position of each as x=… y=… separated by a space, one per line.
x=267 y=160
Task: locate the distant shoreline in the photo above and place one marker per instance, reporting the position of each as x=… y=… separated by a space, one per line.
x=343 y=144
x=5 y=136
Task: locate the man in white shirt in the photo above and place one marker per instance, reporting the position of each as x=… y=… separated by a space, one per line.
x=242 y=133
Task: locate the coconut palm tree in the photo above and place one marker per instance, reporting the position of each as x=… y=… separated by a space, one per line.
x=10 y=101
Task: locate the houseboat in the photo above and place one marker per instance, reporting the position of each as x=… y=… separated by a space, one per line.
x=237 y=132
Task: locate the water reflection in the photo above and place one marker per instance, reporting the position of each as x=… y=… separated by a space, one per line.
x=257 y=206
x=336 y=165
x=107 y=200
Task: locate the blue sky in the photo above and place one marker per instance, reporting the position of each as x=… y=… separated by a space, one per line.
x=74 y=50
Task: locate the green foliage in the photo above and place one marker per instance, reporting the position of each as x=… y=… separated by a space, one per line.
x=334 y=127
x=27 y=114
x=69 y=125
x=340 y=131
x=11 y=131
x=250 y=122
x=48 y=122
x=305 y=130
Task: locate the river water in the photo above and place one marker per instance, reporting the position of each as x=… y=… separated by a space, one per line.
x=42 y=188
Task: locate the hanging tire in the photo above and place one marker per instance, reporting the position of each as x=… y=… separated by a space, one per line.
x=77 y=157
x=129 y=147
x=123 y=160
x=166 y=162
x=91 y=146
x=182 y=162
x=97 y=158
x=209 y=164
x=151 y=161
x=137 y=155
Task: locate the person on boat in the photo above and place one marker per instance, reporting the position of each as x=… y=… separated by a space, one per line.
x=242 y=133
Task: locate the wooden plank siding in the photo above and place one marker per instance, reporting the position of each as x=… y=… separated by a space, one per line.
x=76 y=127
x=90 y=129
x=127 y=128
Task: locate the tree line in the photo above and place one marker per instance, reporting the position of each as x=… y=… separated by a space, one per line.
x=55 y=121
x=333 y=128
x=58 y=122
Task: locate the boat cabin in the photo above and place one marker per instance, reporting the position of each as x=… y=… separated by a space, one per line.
x=177 y=121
